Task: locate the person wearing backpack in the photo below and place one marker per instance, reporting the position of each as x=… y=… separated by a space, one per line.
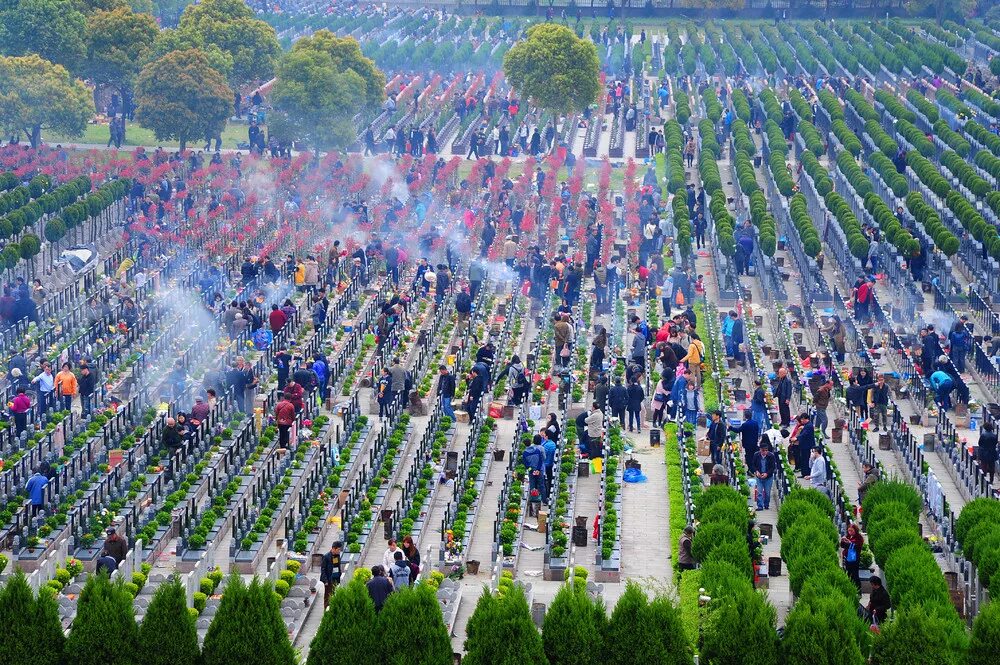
x=400 y=572
x=851 y=544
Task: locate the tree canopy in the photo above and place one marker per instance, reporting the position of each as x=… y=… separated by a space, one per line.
x=39 y=95
x=118 y=42
x=52 y=29
x=232 y=27
x=180 y=96
x=323 y=82
x=554 y=68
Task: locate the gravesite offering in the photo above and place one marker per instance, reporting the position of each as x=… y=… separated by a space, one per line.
x=340 y=332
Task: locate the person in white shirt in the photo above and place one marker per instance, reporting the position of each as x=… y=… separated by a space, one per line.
x=817 y=472
x=388 y=559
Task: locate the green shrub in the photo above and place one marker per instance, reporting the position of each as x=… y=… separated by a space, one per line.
x=519 y=642
x=167 y=635
x=733 y=553
x=248 y=627
x=574 y=628
x=32 y=630
x=746 y=614
x=104 y=630
x=824 y=628
x=710 y=536
x=985 y=643
x=916 y=636
x=349 y=630
x=412 y=630
x=653 y=630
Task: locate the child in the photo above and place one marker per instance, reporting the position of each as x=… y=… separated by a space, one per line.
x=699 y=285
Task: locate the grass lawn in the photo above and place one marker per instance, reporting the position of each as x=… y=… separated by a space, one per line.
x=135 y=135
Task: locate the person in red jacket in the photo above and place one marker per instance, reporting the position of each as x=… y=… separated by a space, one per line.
x=20 y=407
x=284 y=414
x=277 y=319
x=293 y=393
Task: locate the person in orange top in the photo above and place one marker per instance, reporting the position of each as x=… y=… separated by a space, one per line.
x=66 y=386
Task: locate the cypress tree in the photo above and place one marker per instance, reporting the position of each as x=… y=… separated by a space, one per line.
x=104 y=630
x=248 y=628
x=500 y=631
x=985 y=636
x=412 y=629
x=574 y=628
x=167 y=635
x=349 y=631
x=32 y=633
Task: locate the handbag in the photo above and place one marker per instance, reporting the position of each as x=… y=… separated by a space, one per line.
x=852 y=553
x=660 y=397
x=564 y=352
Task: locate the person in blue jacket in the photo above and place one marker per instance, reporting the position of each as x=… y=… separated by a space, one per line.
x=942 y=384
x=749 y=435
x=960 y=343
x=549 y=446
x=36 y=491
x=534 y=459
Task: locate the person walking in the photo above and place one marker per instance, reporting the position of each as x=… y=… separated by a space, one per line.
x=716 y=436
x=330 y=571
x=987 y=452
x=763 y=466
x=446 y=391
x=821 y=401
x=749 y=432
x=19 y=408
x=284 y=416
x=851 y=544
x=636 y=395
x=66 y=386
x=618 y=400
x=783 y=393
x=35 y=487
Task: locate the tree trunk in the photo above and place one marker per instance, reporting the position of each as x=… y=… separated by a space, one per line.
x=36 y=136
x=183 y=143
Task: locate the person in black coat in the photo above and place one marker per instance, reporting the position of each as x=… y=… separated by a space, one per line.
x=477 y=386
x=618 y=400
x=806 y=440
x=987 y=453
x=635 y=397
x=749 y=435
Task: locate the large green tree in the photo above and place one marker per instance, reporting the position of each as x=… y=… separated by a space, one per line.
x=500 y=632
x=167 y=635
x=233 y=27
x=180 y=96
x=653 y=629
x=174 y=40
x=412 y=628
x=118 y=42
x=36 y=94
x=32 y=633
x=104 y=630
x=248 y=628
x=53 y=29
x=574 y=628
x=349 y=631
x=554 y=68
x=322 y=83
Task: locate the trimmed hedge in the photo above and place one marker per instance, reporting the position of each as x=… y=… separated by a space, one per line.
x=799 y=213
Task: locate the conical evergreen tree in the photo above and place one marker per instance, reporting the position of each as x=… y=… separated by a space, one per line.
x=500 y=632
x=412 y=628
x=104 y=630
x=349 y=631
x=574 y=628
x=32 y=633
x=653 y=630
x=167 y=635
x=248 y=628
x=985 y=645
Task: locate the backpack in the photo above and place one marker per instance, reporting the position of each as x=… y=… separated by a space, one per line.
x=522 y=380
x=401 y=575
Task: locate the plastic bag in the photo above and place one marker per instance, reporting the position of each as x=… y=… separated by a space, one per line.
x=633 y=475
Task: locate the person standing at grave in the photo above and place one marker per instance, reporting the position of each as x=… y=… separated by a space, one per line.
x=284 y=415
x=66 y=385
x=115 y=546
x=88 y=386
x=46 y=387
x=19 y=408
x=330 y=571
x=35 y=487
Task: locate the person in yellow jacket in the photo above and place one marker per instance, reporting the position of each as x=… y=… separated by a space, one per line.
x=695 y=356
x=66 y=386
x=300 y=275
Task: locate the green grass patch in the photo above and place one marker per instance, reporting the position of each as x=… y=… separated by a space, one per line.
x=136 y=135
x=675 y=491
